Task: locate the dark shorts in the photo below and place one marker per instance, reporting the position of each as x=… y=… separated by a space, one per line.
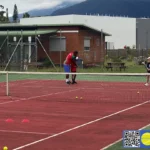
x=73 y=69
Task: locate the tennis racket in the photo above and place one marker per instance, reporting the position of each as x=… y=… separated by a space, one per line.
x=144 y=63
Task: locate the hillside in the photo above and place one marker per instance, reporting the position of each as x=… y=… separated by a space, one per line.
x=130 y=8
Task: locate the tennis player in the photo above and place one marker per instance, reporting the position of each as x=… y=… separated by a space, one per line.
x=148 y=70
x=70 y=65
x=74 y=69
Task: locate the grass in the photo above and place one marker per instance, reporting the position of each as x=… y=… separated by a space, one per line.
x=131 y=68
x=119 y=145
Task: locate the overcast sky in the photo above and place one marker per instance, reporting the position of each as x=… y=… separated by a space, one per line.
x=26 y=5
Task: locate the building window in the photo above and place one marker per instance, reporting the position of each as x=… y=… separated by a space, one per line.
x=57 y=44
x=87 y=42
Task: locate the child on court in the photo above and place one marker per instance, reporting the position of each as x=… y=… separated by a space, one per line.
x=148 y=70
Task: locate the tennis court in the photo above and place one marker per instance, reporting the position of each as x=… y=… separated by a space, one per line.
x=89 y=115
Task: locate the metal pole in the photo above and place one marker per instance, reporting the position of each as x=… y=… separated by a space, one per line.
x=60 y=49
x=36 y=48
x=147 y=43
x=3 y=43
x=7 y=53
x=21 y=53
x=102 y=48
x=139 y=51
x=30 y=46
x=7 y=85
x=46 y=53
x=31 y=54
x=12 y=54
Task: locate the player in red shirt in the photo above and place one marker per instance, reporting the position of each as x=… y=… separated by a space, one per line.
x=70 y=65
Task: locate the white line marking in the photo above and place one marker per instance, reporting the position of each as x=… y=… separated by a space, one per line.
x=24 y=99
x=60 y=87
x=77 y=127
x=52 y=94
x=23 y=132
x=121 y=139
x=10 y=101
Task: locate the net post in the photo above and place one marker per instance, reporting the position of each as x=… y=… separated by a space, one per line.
x=7 y=86
x=60 y=51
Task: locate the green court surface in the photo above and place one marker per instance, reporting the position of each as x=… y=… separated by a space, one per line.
x=84 y=77
x=119 y=145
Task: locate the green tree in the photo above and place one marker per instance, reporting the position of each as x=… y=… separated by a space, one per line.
x=26 y=15
x=1 y=6
x=15 y=14
x=3 y=19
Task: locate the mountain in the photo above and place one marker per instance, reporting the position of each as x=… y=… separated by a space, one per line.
x=130 y=8
x=48 y=11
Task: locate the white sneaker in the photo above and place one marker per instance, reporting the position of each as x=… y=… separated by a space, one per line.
x=146 y=84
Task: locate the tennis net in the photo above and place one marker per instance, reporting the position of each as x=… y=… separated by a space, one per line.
x=90 y=87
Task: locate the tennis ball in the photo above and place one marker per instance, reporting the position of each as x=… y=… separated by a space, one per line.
x=5 y=148
x=145 y=139
x=138 y=92
x=80 y=97
x=76 y=96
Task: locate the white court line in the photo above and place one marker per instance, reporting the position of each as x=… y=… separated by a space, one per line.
x=24 y=99
x=121 y=139
x=60 y=87
x=23 y=132
x=82 y=125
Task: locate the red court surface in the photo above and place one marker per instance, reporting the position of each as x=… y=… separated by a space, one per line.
x=60 y=121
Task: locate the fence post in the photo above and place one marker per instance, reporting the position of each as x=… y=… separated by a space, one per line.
x=7 y=85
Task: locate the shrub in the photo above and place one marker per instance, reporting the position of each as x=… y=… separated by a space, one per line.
x=116 y=60
x=46 y=62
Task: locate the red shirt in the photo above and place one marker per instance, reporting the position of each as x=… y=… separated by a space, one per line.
x=70 y=59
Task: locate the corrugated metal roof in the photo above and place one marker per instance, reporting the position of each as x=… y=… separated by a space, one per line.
x=27 y=33
x=49 y=25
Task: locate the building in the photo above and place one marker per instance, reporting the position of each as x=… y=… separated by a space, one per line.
x=122 y=29
x=37 y=42
x=143 y=34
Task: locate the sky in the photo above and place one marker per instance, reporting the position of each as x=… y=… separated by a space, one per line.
x=26 y=5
